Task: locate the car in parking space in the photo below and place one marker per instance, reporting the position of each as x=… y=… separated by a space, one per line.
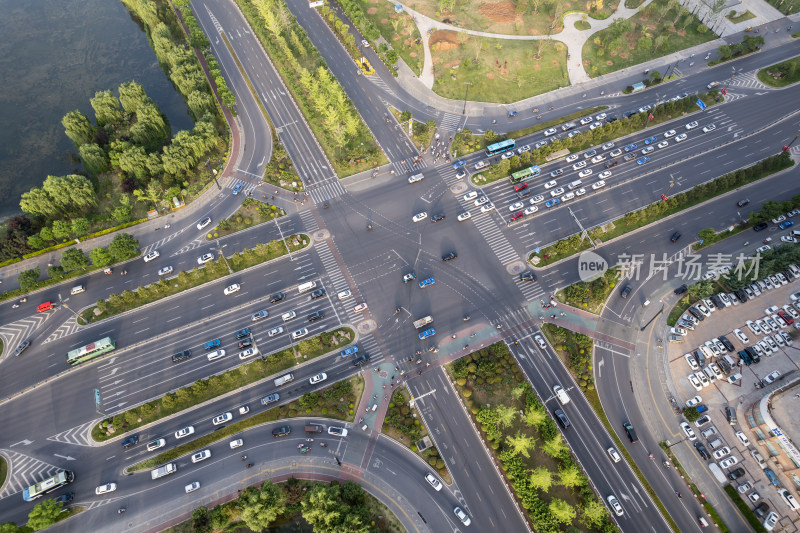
x=337 y=431
x=237 y=188
x=642 y=160
x=552 y=202
x=579 y=165
x=433 y=482
x=549 y=131
x=281 y=431
x=710 y=127
x=466 y=215
x=700 y=422
x=630 y=147
x=733 y=475
x=702 y=450
x=786 y=224
x=772 y=376
x=788 y=499
x=185 y=432
x=695 y=382
x=585 y=172
x=742 y=438
x=201 y=456
x=688 y=431
x=729 y=462
x=690 y=360
x=487 y=207
x=319 y=378
x=598 y=158
x=722 y=452
x=221 y=419
x=540 y=341
x=104 y=489
x=165 y=270
x=205 y=258
x=691 y=125
x=697 y=400
x=152 y=255
x=791 y=311
x=615 y=153
x=681 y=137
x=572 y=157
x=629 y=157
x=771 y=520
x=419 y=216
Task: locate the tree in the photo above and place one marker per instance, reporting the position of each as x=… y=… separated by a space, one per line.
x=106 y=108
x=73 y=259
x=94 y=158
x=555 y=447
x=541 y=479
x=9 y=527
x=594 y=513
x=260 y=508
x=571 y=476
x=321 y=507
x=506 y=415
x=27 y=279
x=691 y=414
x=534 y=416
x=521 y=443
x=77 y=127
x=100 y=257
x=44 y=514
x=131 y=96
x=80 y=226
x=200 y=518
x=562 y=511
x=124 y=246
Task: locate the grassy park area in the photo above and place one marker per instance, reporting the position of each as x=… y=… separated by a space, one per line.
x=498 y=70
x=655 y=31
x=249 y=213
x=782 y=74
x=398 y=29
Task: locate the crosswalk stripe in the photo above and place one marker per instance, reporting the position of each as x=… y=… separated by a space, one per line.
x=25 y=471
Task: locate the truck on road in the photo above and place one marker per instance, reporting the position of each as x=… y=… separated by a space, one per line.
x=162 y=471
x=424 y=321
x=286 y=378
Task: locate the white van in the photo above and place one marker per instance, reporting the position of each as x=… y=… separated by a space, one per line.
x=574 y=185
x=561 y=394
x=717 y=471
x=77 y=289
x=307 y=286
x=216 y=354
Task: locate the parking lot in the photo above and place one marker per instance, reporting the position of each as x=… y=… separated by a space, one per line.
x=733 y=445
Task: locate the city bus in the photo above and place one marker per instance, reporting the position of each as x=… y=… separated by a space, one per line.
x=499 y=148
x=90 y=351
x=48 y=485
x=524 y=174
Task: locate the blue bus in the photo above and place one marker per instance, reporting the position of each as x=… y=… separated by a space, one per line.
x=502 y=146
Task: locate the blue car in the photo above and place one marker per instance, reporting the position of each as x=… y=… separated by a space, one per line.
x=425 y=282
x=651 y=140
x=786 y=224
x=427 y=333
x=642 y=160
x=630 y=147
x=702 y=408
x=210 y=345
x=459 y=164
x=552 y=202
x=238 y=188
x=349 y=351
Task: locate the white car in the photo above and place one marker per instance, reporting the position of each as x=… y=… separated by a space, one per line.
x=670 y=133
x=230 y=289
x=419 y=216
x=463 y=216
x=647 y=149
x=771 y=521
x=462 y=516
x=540 y=341
x=695 y=382
x=586 y=120
x=205 y=258
x=164 y=271
x=480 y=201
x=516 y=206
x=691 y=402
x=550 y=131
x=681 y=137
x=550 y=184
x=608 y=146
x=792 y=311
x=584 y=173
x=772 y=376
x=614 y=454
x=201 y=456
x=663 y=144
x=337 y=432
x=615 y=506
x=530 y=210
x=753 y=327
x=601 y=116
x=507 y=155
x=744 y=487
x=708 y=128
x=471 y=195
x=103 y=489
x=722 y=452
x=568 y=196
x=580 y=192
x=185 y=432
x=319 y=378
x=687 y=429
x=579 y=165
x=572 y=157
x=692 y=125
x=788 y=499
x=598 y=158
x=557 y=192
x=703 y=379
x=690 y=360
x=486 y=208
x=604 y=174
x=221 y=419
x=594 y=125
x=537 y=199
x=250 y=352
x=152 y=255
x=191 y=487
x=703 y=309
x=275 y=331
x=729 y=462
x=742 y=438
x=236 y=443
x=435 y=483
x=598 y=184
x=203 y=223
x=700 y=422
x=299 y=334
x=762 y=249
x=616 y=152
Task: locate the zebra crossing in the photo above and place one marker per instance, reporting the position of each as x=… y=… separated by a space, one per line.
x=748 y=80
x=326 y=190
x=307 y=222
x=495 y=238
x=25 y=471
x=161 y=242
x=732 y=97
x=378 y=81
x=69 y=327
x=531 y=290
x=79 y=435
x=16 y=332
x=247 y=186
x=451 y=122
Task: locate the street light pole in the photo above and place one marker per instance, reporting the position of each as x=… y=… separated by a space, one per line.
x=467 y=83
x=787 y=146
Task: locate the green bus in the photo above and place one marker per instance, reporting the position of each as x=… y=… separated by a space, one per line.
x=90 y=351
x=525 y=174
x=48 y=485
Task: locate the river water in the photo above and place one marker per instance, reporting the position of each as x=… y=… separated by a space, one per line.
x=54 y=56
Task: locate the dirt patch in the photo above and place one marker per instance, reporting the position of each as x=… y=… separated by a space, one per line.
x=609 y=63
x=413 y=54
x=537 y=66
x=499 y=11
x=444 y=40
x=555 y=63
x=490 y=75
x=395 y=37
x=372 y=10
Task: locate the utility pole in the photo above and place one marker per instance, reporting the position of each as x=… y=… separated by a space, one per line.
x=467 y=83
x=584 y=233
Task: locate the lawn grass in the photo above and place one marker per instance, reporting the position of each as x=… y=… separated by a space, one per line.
x=616 y=47
x=185 y=280
x=575 y=351
x=421 y=132
x=251 y=212
x=744 y=508
x=505 y=71
x=216 y=385
x=782 y=74
x=335 y=401
x=397 y=29
x=511 y=17
x=590 y=296
x=3 y=463
x=737 y=17
x=787 y=7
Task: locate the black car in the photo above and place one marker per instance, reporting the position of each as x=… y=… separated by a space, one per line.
x=242 y=333
x=22 y=347
x=523 y=194
x=437 y=217
x=735 y=474
x=761 y=509
x=725 y=342
x=276 y=297
x=319 y=293
x=561 y=418
x=702 y=450
x=630 y=431
x=626 y=291
x=675 y=236
x=627 y=114
x=695 y=313
x=741 y=295
x=313 y=317
x=281 y=431
x=742 y=203
x=245 y=343
x=629 y=157
x=361 y=359
x=65 y=498
x=760 y=226
x=449 y=256
x=130 y=441
x=527 y=276
x=612 y=118
x=181 y=356
x=680 y=290
x=612 y=163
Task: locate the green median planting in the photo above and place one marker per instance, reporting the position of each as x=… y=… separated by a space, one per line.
x=217 y=385
x=185 y=280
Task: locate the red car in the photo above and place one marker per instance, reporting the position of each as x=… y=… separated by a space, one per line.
x=44 y=307
x=516 y=216
x=786 y=318
x=520 y=186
